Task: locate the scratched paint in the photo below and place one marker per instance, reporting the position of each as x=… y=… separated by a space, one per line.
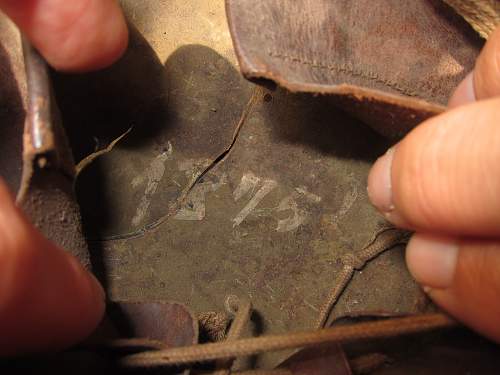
x=153 y=175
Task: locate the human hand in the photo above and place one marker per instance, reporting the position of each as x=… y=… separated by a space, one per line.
x=443 y=181
x=76 y=35
x=47 y=300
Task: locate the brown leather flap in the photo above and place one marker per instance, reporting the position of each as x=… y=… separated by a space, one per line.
x=406 y=54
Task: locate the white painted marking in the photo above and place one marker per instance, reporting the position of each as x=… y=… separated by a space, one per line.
x=153 y=175
x=298 y=216
x=312 y=197
x=267 y=187
x=248 y=182
x=137 y=180
x=194 y=209
x=349 y=199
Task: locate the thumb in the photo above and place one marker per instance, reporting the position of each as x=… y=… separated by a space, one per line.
x=460 y=276
x=47 y=300
x=484 y=81
x=443 y=176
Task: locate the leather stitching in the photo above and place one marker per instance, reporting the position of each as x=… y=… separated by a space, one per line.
x=346 y=69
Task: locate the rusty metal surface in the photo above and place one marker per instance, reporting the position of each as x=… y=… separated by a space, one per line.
x=392 y=62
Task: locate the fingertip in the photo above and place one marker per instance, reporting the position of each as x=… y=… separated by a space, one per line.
x=6 y=196
x=12 y=227
x=484 y=81
x=46 y=304
x=48 y=301
x=464 y=92
x=98 y=39
x=432 y=260
x=380 y=189
x=487 y=69
x=380 y=184
x=92 y=44
x=461 y=277
x=73 y=36
x=80 y=314
x=441 y=174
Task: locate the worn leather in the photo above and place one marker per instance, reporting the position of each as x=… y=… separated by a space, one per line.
x=392 y=63
x=46 y=191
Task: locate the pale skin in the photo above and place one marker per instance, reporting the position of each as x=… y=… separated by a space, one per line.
x=442 y=181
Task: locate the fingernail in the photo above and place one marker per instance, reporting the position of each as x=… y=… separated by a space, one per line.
x=464 y=93
x=380 y=184
x=432 y=260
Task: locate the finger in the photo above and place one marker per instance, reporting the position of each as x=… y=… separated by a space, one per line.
x=464 y=93
x=47 y=300
x=460 y=276
x=75 y=35
x=443 y=177
x=484 y=81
